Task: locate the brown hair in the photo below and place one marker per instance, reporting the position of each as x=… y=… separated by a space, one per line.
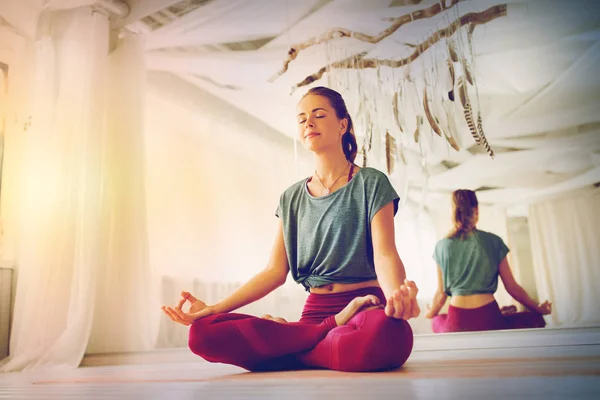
x=349 y=144
x=464 y=208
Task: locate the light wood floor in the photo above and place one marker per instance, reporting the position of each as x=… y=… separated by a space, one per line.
x=549 y=378
x=538 y=364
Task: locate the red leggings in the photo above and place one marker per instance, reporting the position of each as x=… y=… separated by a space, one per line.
x=370 y=341
x=486 y=318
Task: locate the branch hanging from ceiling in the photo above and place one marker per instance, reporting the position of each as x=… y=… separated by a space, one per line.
x=340 y=33
x=472 y=19
x=349 y=62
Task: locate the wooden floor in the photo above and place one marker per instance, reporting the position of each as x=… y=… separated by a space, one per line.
x=543 y=364
x=575 y=378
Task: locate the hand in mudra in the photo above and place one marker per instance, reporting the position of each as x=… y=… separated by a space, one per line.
x=403 y=303
x=198 y=309
x=545 y=308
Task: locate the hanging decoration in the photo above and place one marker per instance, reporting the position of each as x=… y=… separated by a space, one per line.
x=439 y=91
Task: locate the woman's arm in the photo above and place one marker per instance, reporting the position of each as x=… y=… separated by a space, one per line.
x=400 y=293
x=517 y=292
x=439 y=298
x=263 y=283
x=388 y=265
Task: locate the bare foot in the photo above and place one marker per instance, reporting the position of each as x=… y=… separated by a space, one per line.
x=508 y=310
x=276 y=319
x=354 y=307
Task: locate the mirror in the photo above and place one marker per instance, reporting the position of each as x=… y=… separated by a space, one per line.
x=552 y=252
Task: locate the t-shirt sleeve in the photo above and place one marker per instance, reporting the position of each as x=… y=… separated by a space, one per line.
x=382 y=193
x=279 y=207
x=436 y=254
x=502 y=249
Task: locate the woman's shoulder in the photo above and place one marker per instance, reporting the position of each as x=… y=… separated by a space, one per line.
x=372 y=177
x=443 y=243
x=373 y=173
x=294 y=189
x=488 y=235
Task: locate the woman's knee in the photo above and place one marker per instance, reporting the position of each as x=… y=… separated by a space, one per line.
x=395 y=336
x=201 y=336
x=380 y=343
x=438 y=323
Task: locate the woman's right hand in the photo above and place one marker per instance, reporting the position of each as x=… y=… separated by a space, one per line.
x=429 y=314
x=545 y=308
x=198 y=309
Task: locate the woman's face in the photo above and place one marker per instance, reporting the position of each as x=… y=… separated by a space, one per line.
x=319 y=128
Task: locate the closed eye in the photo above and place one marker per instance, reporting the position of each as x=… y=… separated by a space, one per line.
x=303 y=121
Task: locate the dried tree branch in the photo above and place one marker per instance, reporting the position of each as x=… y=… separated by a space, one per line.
x=340 y=32
x=472 y=19
x=338 y=64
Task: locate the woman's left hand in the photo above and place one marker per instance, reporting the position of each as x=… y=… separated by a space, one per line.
x=403 y=303
x=198 y=309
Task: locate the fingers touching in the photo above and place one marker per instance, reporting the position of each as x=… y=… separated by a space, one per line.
x=174 y=316
x=403 y=303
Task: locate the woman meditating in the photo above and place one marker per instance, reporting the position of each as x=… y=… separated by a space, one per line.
x=469 y=262
x=336 y=238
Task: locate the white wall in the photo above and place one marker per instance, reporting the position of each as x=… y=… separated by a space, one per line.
x=211 y=209
x=213 y=184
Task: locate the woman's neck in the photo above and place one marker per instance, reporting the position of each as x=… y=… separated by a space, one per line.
x=330 y=166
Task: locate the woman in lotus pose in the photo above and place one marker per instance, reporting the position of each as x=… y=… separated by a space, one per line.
x=469 y=262
x=336 y=237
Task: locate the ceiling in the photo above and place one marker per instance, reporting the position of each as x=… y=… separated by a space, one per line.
x=536 y=74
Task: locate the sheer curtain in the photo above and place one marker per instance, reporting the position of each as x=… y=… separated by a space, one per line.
x=58 y=251
x=564 y=241
x=127 y=305
x=81 y=249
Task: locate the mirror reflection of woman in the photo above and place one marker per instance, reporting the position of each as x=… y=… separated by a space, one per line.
x=469 y=262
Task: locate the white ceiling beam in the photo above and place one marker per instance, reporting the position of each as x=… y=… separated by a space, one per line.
x=521 y=196
x=570 y=77
x=481 y=169
x=551 y=119
x=176 y=34
x=270 y=105
x=140 y=9
x=582 y=140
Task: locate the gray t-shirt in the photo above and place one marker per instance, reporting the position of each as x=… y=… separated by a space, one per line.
x=328 y=238
x=470 y=266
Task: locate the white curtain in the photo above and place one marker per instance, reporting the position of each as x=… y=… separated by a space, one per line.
x=58 y=252
x=565 y=234
x=84 y=280
x=22 y=15
x=127 y=308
